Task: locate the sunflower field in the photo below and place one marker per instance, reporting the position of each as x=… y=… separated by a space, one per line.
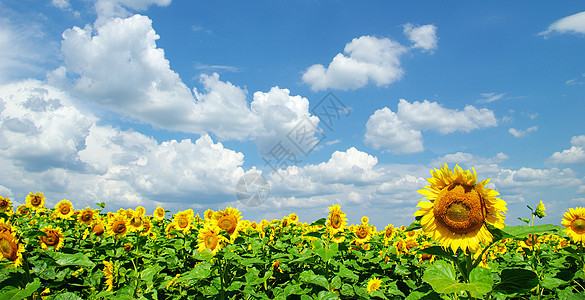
x=458 y=247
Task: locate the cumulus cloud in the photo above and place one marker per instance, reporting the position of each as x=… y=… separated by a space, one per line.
x=385 y=129
x=365 y=59
x=121 y=68
x=400 y=132
x=108 y=9
x=522 y=133
x=571 y=24
x=431 y=115
x=573 y=155
x=423 y=37
x=50 y=145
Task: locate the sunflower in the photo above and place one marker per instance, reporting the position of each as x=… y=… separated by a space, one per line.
x=374 y=284
x=118 y=226
x=63 y=210
x=35 y=201
x=228 y=220
x=5 y=226
x=363 y=233
x=574 y=223
x=23 y=210
x=136 y=221
x=539 y=211
x=459 y=209
x=208 y=214
x=365 y=220
x=109 y=274
x=146 y=227
x=98 y=228
x=210 y=238
x=5 y=205
x=182 y=220
x=389 y=232
x=86 y=216
x=11 y=249
x=336 y=220
x=293 y=218
x=159 y=214
x=54 y=238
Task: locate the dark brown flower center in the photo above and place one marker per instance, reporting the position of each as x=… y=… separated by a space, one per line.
x=65 y=209
x=36 y=200
x=336 y=221
x=8 y=247
x=362 y=232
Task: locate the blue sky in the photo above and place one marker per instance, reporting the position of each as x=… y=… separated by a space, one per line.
x=160 y=102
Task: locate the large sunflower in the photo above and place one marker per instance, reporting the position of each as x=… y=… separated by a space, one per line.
x=363 y=233
x=54 y=238
x=574 y=223
x=10 y=248
x=118 y=226
x=336 y=220
x=63 y=209
x=210 y=238
x=228 y=220
x=35 y=201
x=374 y=284
x=459 y=209
x=136 y=221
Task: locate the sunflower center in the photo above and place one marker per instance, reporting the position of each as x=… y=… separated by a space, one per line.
x=578 y=225
x=8 y=248
x=3 y=204
x=183 y=222
x=86 y=217
x=336 y=221
x=136 y=222
x=120 y=227
x=459 y=208
x=227 y=224
x=210 y=242
x=65 y=209
x=389 y=232
x=36 y=200
x=51 y=239
x=362 y=233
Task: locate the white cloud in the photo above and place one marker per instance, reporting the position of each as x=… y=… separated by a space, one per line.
x=51 y=146
x=424 y=37
x=571 y=24
x=431 y=115
x=573 y=155
x=469 y=159
x=385 y=129
x=122 y=69
x=109 y=9
x=490 y=97
x=522 y=133
x=365 y=59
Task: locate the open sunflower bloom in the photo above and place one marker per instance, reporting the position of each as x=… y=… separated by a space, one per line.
x=459 y=208
x=574 y=223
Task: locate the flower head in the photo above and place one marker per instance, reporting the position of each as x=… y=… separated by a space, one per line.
x=459 y=208
x=374 y=284
x=11 y=249
x=336 y=220
x=54 y=238
x=210 y=238
x=228 y=220
x=35 y=201
x=5 y=205
x=574 y=223
x=86 y=216
x=539 y=212
x=118 y=226
x=63 y=209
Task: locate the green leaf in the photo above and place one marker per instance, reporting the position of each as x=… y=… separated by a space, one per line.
x=524 y=220
x=441 y=276
x=347 y=273
x=321 y=221
x=392 y=288
x=309 y=276
x=66 y=296
x=347 y=290
x=377 y=293
x=17 y=294
x=516 y=281
x=336 y=282
x=78 y=259
x=327 y=295
x=414 y=225
x=436 y=250
x=520 y=232
x=148 y=273
x=480 y=282
x=551 y=283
